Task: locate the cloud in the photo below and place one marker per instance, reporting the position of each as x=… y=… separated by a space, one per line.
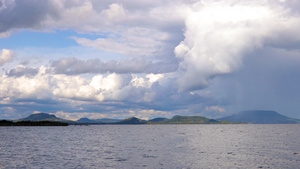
x=131 y=28
x=151 y=57
x=25 y=14
x=115 y=11
x=22 y=71
x=112 y=94
x=133 y=41
x=219 y=34
x=6 y=56
x=73 y=66
x=44 y=85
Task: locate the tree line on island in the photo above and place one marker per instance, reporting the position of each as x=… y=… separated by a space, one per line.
x=254 y=117
x=32 y=123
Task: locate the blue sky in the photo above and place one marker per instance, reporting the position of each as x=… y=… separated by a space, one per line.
x=26 y=38
x=117 y=59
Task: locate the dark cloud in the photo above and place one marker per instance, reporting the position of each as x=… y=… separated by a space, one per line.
x=23 y=71
x=25 y=14
x=269 y=80
x=72 y=66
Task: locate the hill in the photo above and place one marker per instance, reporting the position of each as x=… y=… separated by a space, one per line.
x=132 y=120
x=159 y=119
x=261 y=117
x=98 y=121
x=188 y=120
x=45 y=117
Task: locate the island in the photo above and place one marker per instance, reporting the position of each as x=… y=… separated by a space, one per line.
x=32 y=123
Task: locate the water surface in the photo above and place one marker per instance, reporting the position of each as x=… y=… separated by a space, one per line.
x=151 y=146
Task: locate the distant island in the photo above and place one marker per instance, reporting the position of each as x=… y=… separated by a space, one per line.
x=32 y=123
x=253 y=117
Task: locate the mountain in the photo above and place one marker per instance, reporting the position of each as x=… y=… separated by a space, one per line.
x=188 y=120
x=98 y=121
x=85 y=120
x=159 y=119
x=44 y=117
x=261 y=117
x=132 y=120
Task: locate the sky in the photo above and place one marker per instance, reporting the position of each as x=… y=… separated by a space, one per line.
x=118 y=59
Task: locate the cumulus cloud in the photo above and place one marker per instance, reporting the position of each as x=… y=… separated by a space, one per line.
x=219 y=34
x=24 y=87
x=112 y=94
x=6 y=56
x=50 y=86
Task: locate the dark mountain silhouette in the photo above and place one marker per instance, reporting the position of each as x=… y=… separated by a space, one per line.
x=261 y=117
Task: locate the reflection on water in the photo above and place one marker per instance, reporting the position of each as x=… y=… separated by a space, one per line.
x=151 y=146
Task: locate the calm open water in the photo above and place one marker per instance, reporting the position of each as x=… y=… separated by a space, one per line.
x=151 y=146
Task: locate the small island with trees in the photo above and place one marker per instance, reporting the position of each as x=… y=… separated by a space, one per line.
x=32 y=123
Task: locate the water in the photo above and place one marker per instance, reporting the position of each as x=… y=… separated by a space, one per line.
x=151 y=146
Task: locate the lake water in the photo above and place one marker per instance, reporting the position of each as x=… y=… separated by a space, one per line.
x=151 y=146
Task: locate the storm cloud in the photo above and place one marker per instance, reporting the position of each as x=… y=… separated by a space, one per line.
x=219 y=35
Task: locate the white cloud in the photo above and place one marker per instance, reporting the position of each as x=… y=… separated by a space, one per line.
x=115 y=11
x=45 y=85
x=6 y=56
x=132 y=41
x=218 y=35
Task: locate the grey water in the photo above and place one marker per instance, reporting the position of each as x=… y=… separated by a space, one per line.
x=151 y=146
